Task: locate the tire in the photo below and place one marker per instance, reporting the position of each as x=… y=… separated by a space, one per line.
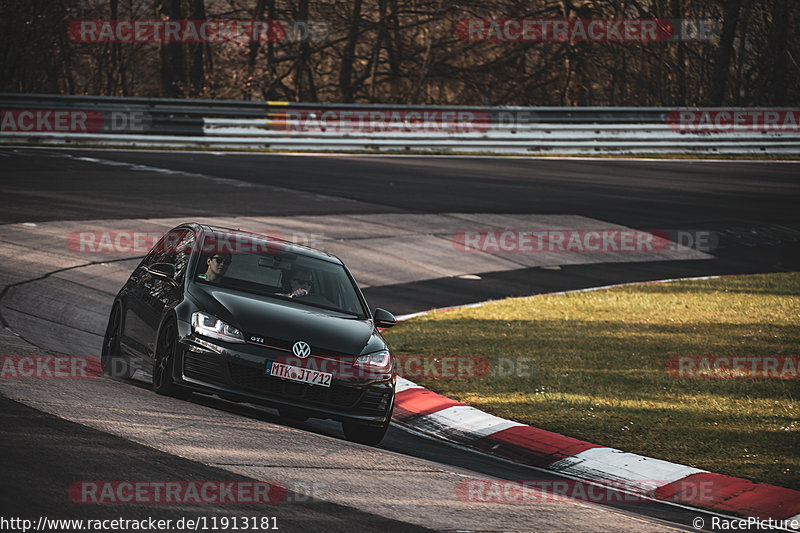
x=364 y=433
x=368 y=434
x=164 y=361
x=113 y=363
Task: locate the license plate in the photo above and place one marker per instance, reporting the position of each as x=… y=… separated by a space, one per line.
x=301 y=375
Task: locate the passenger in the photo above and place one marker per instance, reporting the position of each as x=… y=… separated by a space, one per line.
x=300 y=282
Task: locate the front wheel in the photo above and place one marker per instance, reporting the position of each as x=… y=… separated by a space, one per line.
x=368 y=434
x=364 y=433
x=164 y=361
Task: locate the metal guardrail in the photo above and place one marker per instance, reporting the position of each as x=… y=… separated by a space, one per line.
x=148 y=122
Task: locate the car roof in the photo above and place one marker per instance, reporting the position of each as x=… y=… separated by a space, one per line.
x=287 y=245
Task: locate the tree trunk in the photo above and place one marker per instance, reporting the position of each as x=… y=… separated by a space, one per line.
x=173 y=72
x=394 y=47
x=781 y=20
x=197 y=78
x=348 y=55
x=306 y=90
x=112 y=75
x=722 y=64
x=380 y=42
x=252 y=54
x=678 y=92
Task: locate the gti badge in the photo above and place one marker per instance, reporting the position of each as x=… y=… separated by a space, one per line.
x=301 y=349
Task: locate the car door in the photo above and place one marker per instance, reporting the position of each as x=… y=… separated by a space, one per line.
x=151 y=296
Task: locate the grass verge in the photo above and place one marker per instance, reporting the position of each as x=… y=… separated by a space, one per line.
x=596 y=368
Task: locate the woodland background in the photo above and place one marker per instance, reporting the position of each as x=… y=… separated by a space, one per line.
x=407 y=52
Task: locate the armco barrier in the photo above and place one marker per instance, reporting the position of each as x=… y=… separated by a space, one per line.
x=112 y=121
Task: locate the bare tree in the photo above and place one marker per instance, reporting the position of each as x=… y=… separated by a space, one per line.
x=409 y=51
x=173 y=68
x=722 y=64
x=348 y=53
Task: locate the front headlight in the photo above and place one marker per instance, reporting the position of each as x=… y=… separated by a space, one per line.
x=378 y=362
x=211 y=326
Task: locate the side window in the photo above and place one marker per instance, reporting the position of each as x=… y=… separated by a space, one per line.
x=182 y=254
x=175 y=248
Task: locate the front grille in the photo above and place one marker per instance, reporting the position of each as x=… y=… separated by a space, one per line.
x=253 y=379
x=206 y=367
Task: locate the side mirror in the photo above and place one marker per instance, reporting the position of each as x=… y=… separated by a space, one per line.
x=163 y=271
x=383 y=318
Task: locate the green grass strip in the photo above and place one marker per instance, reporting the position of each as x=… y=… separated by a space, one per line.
x=595 y=368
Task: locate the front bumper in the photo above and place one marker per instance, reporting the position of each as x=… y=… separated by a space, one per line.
x=236 y=372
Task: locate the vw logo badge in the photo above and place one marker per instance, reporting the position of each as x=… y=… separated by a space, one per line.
x=301 y=349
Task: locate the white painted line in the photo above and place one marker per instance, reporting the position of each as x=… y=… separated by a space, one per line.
x=550 y=157
x=669 y=280
x=146 y=168
x=467 y=421
x=453 y=308
x=616 y=465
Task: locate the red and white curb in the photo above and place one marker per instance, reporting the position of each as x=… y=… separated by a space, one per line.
x=432 y=414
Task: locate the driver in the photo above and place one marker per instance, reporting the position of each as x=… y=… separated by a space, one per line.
x=217 y=266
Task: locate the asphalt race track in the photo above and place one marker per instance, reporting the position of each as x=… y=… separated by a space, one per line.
x=750 y=204
x=55 y=434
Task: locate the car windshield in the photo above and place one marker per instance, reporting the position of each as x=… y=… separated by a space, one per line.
x=264 y=267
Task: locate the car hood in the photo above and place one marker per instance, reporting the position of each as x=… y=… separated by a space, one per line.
x=285 y=322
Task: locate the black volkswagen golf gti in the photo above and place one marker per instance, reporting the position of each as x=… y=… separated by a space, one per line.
x=255 y=319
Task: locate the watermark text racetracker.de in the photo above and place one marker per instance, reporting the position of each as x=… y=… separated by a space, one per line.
x=197 y=31
x=582 y=240
x=727 y=367
x=49 y=367
x=549 y=490
x=464 y=367
x=587 y=30
x=415 y=367
x=734 y=120
x=176 y=492
x=72 y=121
x=382 y=120
x=139 y=242
x=201 y=492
